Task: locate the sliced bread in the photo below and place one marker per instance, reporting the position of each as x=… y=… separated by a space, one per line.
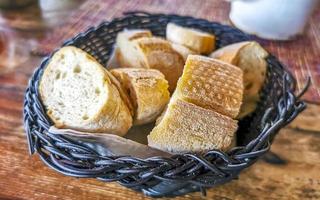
x=148 y=92
x=153 y=53
x=197 y=40
x=186 y=127
x=78 y=93
x=124 y=55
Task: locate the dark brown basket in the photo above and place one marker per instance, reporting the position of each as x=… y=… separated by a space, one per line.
x=159 y=176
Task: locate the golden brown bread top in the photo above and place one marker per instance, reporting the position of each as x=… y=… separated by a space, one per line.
x=250 y=57
x=211 y=84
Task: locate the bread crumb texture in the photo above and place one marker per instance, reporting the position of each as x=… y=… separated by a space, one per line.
x=78 y=93
x=186 y=127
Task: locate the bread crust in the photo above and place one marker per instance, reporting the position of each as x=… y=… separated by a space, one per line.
x=158 y=54
x=152 y=53
x=197 y=40
x=126 y=54
x=148 y=91
x=211 y=84
x=123 y=94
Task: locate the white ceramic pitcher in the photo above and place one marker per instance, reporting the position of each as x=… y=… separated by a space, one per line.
x=272 y=19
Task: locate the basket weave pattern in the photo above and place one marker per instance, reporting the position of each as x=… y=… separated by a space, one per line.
x=159 y=176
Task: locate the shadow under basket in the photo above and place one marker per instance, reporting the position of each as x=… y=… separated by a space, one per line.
x=181 y=173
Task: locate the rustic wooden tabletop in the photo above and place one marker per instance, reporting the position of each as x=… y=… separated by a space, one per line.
x=26 y=177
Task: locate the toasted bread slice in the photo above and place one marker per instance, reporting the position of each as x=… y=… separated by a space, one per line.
x=78 y=93
x=183 y=50
x=148 y=91
x=211 y=84
x=250 y=57
x=199 y=41
x=154 y=53
x=186 y=127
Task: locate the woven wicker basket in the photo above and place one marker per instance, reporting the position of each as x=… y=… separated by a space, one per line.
x=159 y=176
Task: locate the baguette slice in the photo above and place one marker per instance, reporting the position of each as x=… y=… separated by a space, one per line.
x=199 y=41
x=183 y=50
x=78 y=93
x=186 y=127
x=250 y=57
x=154 y=53
x=125 y=57
x=211 y=84
x=148 y=92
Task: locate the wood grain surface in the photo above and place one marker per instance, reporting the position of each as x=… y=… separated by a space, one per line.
x=26 y=177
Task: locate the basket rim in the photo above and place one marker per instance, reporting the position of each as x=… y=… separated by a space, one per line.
x=287 y=108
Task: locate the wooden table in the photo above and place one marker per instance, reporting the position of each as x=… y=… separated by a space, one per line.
x=26 y=177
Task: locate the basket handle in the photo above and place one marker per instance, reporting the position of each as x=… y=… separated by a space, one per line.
x=305 y=88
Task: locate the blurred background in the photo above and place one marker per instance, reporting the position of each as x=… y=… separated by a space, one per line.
x=35 y=27
x=23 y=23
x=289 y=29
